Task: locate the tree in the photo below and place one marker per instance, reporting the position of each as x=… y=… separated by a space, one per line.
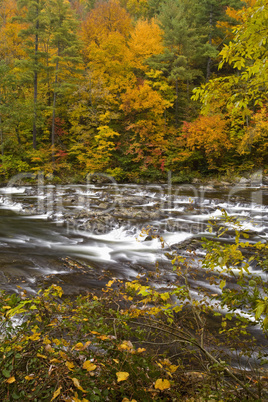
x=144 y=114
x=245 y=90
x=146 y=40
x=10 y=42
x=182 y=43
x=65 y=50
x=209 y=135
x=33 y=33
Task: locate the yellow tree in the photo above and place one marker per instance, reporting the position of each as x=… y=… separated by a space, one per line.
x=105 y=34
x=145 y=126
x=10 y=42
x=146 y=40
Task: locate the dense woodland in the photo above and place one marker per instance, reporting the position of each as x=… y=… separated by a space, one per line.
x=133 y=88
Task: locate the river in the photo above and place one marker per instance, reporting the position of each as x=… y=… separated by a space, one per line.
x=81 y=236
x=54 y=230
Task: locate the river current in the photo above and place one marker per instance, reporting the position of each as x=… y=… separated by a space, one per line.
x=81 y=236
x=100 y=226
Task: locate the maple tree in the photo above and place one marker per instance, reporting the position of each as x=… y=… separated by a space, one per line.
x=209 y=135
x=144 y=109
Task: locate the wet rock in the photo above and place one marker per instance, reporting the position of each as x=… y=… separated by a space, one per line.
x=103 y=205
x=244 y=181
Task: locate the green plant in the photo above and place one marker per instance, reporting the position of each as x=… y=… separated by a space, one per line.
x=77 y=350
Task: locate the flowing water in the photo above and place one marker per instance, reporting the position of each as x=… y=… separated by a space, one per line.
x=100 y=226
x=84 y=235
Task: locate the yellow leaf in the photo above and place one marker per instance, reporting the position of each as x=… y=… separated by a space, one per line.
x=54 y=361
x=56 y=393
x=89 y=366
x=125 y=345
x=173 y=368
x=35 y=336
x=29 y=377
x=162 y=384
x=140 y=350
x=77 y=384
x=42 y=356
x=70 y=365
x=63 y=355
x=78 y=346
x=122 y=376
x=116 y=361
x=6 y=307
x=103 y=337
x=128 y=400
x=109 y=284
x=11 y=380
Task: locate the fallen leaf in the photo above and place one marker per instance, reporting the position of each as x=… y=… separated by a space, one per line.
x=43 y=356
x=162 y=384
x=89 y=366
x=172 y=368
x=11 y=380
x=140 y=350
x=77 y=384
x=103 y=337
x=128 y=400
x=126 y=345
x=29 y=377
x=78 y=346
x=70 y=365
x=56 y=393
x=122 y=376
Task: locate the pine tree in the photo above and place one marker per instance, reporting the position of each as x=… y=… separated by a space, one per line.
x=33 y=34
x=65 y=45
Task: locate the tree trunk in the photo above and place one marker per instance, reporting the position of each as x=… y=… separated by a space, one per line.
x=35 y=82
x=54 y=109
x=1 y=137
x=177 y=104
x=210 y=42
x=18 y=135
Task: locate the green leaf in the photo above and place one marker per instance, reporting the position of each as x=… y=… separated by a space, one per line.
x=6 y=373
x=222 y=283
x=260 y=309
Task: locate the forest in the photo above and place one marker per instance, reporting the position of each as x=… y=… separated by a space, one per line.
x=132 y=88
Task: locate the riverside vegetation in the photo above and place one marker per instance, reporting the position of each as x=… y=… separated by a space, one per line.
x=134 y=343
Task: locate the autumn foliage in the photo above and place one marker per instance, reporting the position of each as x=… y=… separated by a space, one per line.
x=208 y=135
x=124 y=79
